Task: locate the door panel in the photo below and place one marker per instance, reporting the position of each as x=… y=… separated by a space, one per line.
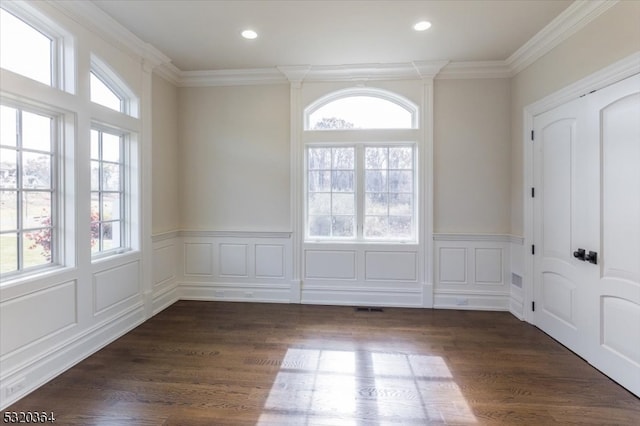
x=616 y=290
x=560 y=303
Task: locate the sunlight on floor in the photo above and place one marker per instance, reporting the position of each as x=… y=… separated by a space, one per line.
x=325 y=387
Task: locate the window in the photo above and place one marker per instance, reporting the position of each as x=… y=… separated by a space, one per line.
x=107 y=191
x=361 y=108
x=382 y=190
x=25 y=50
x=103 y=95
x=28 y=226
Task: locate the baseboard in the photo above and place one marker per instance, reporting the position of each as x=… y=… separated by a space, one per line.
x=34 y=373
x=516 y=304
x=235 y=292
x=162 y=300
x=471 y=301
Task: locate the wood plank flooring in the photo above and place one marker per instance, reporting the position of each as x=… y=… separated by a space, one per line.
x=213 y=363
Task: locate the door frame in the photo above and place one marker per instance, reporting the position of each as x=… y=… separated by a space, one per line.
x=605 y=77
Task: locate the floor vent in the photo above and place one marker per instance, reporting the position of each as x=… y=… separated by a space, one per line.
x=368 y=309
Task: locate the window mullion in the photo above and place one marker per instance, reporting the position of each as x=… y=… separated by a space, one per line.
x=360 y=189
x=19 y=190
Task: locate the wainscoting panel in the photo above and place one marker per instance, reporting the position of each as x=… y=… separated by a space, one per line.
x=166 y=264
x=50 y=311
x=115 y=285
x=472 y=271
x=364 y=275
x=237 y=266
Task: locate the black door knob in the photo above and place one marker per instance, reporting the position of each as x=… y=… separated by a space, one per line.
x=580 y=254
x=592 y=257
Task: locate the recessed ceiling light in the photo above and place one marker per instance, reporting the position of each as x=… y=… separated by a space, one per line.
x=249 y=34
x=422 y=26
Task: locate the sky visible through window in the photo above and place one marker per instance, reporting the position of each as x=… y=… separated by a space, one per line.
x=23 y=49
x=361 y=112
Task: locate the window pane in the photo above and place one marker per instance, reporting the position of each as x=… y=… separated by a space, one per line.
x=376 y=203
x=8 y=129
x=343 y=203
x=400 y=204
x=319 y=181
x=111 y=235
x=376 y=158
x=111 y=148
x=319 y=158
x=36 y=131
x=25 y=50
x=95 y=232
x=37 y=247
x=401 y=158
x=36 y=170
x=361 y=112
x=95 y=144
x=103 y=95
x=111 y=206
x=319 y=226
x=400 y=181
x=342 y=226
x=8 y=168
x=375 y=181
x=319 y=204
x=95 y=207
x=400 y=226
x=95 y=175
x=343 y=158
x=8 y=211
x=342 y=181
x=36 y=209
x=8 y=252
x=375 y=227
x=110 y=177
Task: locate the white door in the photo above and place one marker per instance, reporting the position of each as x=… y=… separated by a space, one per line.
x=587 y=177
x=614 y=114
x=560 y=287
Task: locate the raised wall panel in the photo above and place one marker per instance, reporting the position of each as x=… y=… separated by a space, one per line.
x=115 y=285
x=330 y=264
x=617 y=335
x=390 y=266
x=198 y=259
x=269 y=260
x=488 y=265
x=233 y=260
x=453 y=265
x=48 y=311
x=164 y=264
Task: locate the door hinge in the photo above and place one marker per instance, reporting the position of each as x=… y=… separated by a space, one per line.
x=533 y=306
x=532 y=135
x=533 y=249
x=533 y=192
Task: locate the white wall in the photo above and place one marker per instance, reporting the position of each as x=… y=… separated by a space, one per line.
x=471 y=155
x=234 y=145
x=166 y=154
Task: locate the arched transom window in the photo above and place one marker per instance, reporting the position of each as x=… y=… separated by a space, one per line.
x=361 y=108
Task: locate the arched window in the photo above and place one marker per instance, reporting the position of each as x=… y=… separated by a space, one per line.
x=361 y=108
x=361 y=186
x=108 y=90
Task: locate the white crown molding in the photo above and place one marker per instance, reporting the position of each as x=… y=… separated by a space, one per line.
x=477 y=69
x=429 y=69
x=169 y=72
x=240 y=77
x=570 y=21
x=361 y=72
x=95 y=19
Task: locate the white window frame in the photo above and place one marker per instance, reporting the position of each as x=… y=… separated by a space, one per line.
x=63 y=54
x=124 y=191
x=361 y=138
x=57 y=190
x=360 y=193
x=129 y=102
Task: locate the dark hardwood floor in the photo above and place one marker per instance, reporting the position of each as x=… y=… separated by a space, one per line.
x=211 y=363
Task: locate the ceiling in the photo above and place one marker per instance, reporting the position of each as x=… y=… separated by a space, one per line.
x=203 y=35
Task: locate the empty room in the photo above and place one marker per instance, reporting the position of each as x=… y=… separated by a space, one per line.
x=319 y=212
